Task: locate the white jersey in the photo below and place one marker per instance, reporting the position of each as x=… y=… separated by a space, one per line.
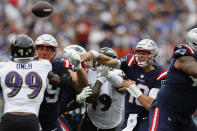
x=113 y=116
x=24 y=84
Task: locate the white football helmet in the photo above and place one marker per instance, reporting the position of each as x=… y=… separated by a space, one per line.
x=80 y=50
x=46 y=40
x=146 y=45
x=191 y=38
x=77 y=48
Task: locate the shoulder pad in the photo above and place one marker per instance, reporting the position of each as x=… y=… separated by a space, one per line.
x=130 y=60
x=62 y=64
x=183 y=50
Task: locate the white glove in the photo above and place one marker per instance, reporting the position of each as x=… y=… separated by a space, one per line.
x=104 y=71
x=87 y=91
x=101 y=76
x=73 y=57
x=114 y=78
x=134 y=91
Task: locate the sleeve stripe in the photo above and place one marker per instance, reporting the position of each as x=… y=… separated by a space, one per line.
x=63 y=125
x=131 y=61
x=67 y=64
x=189 y=48
x=162 y=75
x=155 y=119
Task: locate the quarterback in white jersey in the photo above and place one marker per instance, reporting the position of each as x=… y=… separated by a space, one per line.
x=23 y=82
x=106 y=111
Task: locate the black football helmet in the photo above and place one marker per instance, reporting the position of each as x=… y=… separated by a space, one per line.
x=22 y=48
x=108 y=52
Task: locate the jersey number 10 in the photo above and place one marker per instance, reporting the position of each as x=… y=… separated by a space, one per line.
x=144 y=89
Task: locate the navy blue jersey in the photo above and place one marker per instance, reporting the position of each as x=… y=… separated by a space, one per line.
x=178 y=95
x=144 y=81
x=55 y=97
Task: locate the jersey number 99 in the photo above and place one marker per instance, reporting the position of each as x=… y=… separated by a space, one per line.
x=14 y=81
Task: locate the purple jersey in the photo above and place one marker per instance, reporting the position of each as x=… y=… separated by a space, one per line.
x=144 y=81
x=178 y=95
x=56 y=98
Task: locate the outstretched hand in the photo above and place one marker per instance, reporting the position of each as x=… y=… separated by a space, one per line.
x=87 y=91
x=103 y=71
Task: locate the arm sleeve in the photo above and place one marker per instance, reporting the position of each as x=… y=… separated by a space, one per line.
x=127 y=62
x=61 y=68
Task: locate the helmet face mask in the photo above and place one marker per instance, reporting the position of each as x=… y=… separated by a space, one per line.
x=146 y=52
x=143 y=57
x=46 y=47
x=22 y=49
x=45 y=52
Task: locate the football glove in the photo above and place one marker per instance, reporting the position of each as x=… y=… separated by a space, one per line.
x=73 y=57
x=86 y=92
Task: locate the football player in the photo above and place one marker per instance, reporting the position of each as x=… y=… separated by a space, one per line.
x=106 y=110
x=176 y=100
x=58 y=97
x=144 y=81
x=23 y=81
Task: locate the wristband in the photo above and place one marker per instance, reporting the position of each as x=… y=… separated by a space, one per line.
x=95 y=54
x=136 y=91
x=102 y=79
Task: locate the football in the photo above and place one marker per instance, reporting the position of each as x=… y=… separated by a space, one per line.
x=42 y=9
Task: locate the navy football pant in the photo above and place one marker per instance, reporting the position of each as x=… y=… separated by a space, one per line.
x=87 y=125
x=142 y=123
x=59 y=125
x=161 y=120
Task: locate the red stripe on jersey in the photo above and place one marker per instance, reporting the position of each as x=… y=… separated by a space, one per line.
x=63 y=125
x=131 y=61
x=67 y=64
x=152 y=119
x=155 y=119
x=189 y=48
x=162 y=75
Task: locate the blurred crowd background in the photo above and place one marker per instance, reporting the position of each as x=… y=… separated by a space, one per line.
x=93 y=24
x=97 y=23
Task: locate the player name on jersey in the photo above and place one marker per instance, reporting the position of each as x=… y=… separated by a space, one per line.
x=24 y=66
